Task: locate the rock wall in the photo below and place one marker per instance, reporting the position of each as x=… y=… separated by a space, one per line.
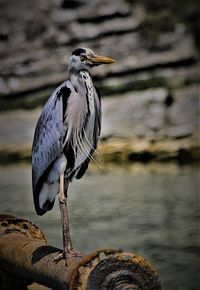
x=150 y=94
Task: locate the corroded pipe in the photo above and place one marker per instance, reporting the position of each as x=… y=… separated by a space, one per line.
x=26 y=257
x=116 y=270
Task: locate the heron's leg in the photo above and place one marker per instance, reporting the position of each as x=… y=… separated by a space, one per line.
x=70 y=251
x=67 y=245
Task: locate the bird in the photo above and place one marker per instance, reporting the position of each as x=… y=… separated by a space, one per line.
x=66 y=136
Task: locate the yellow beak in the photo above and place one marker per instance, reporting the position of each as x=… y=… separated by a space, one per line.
x=97 y=59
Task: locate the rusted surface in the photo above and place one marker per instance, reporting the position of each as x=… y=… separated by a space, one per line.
x=36 y=286
x=11 y=224
x=25 y=254
x=116 y=270
x=10 y=282
x=26 y=258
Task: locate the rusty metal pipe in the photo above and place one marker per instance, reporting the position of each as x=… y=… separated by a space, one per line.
x=26 y=257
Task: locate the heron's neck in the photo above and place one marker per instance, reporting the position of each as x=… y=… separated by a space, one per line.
x=80 y=78
x=84 y=74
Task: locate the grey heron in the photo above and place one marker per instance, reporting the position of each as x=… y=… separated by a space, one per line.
x=66 y=136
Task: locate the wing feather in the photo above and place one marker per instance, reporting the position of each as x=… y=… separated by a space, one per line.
x=48 y=137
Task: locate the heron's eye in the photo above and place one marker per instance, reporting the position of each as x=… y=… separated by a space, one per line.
x=83 y=57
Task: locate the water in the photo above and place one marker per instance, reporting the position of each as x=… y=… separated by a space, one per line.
x=150 y=210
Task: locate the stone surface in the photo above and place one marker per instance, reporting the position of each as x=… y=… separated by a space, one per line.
x=39 y=37
x=146 y=115
x=132 y=123
x=150 y=93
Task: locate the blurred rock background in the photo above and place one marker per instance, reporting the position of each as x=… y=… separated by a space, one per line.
x=150 y=113
x=150 y=96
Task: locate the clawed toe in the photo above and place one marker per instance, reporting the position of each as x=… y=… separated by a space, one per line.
x=73 y=253
x=59 y=257
x=68 y=255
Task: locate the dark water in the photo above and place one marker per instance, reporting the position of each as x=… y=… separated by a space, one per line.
x=150 y=210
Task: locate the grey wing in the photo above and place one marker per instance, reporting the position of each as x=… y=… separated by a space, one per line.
x=49 y=132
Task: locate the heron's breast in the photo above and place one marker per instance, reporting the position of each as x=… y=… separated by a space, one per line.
x=81 y=119
x=86 y=145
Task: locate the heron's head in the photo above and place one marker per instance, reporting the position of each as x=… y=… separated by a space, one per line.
x=85 y=58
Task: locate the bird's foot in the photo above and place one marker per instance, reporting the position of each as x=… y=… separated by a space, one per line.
x=68 y=255
x=72 y=253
